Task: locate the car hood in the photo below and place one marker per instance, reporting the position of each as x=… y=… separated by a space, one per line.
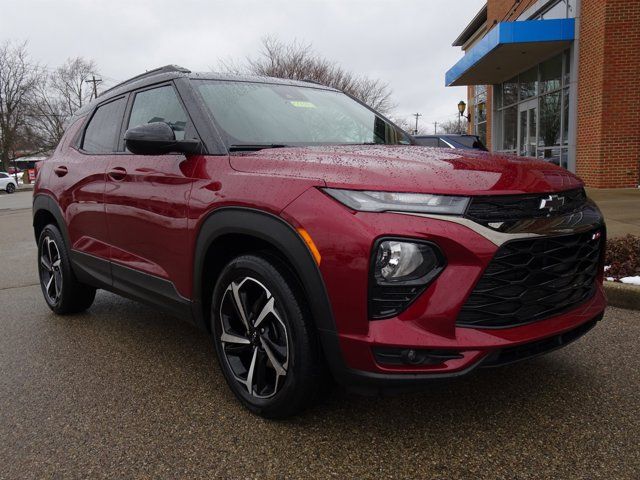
x=409 y=168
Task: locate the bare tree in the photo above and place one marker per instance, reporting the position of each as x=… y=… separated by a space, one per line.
x=409 y=125
x=299 y=61
x=453 y=126
x=58 y=96
x=18 y=80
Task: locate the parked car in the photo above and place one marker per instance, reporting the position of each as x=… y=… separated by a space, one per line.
x=7 y=182
x=471 y=142
x=311 y=238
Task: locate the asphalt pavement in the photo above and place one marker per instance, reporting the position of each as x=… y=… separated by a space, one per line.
x=124 y=391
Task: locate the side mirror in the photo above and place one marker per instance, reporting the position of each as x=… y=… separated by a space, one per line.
x=157 y=138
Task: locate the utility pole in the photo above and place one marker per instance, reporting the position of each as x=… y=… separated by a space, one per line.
x=417 y=115
x=95 y=82
x=435 y=128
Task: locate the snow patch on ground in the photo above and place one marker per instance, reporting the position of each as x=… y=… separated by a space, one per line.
x=631 y=280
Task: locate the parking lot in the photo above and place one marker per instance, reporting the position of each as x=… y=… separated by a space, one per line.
x=126 y=391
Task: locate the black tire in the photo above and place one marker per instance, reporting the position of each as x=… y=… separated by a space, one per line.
x=11 y=188
x=268 y=282
x=60 y=288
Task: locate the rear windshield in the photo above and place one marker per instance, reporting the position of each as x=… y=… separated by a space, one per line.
x=249 y=113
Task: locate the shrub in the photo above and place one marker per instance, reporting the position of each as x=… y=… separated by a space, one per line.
x=623 y=256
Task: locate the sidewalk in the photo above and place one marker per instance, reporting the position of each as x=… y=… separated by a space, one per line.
x=620 y=207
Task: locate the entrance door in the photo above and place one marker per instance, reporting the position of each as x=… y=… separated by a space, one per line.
x=527 y=128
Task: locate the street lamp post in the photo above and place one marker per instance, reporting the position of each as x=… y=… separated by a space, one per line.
x=461 y=108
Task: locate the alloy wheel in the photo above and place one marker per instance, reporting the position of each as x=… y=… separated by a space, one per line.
x=255 y=340
x=50 y=269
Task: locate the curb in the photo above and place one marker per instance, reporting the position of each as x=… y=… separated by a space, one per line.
x=25 y=188
x=622 y=295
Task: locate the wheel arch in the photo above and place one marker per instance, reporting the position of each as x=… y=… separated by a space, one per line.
x=231 y=226
x=45 y=211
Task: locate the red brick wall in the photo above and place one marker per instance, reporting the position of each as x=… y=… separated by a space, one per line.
x=608 y=137
x=506 y=10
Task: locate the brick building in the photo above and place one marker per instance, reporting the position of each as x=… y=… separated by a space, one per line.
x=559 y=80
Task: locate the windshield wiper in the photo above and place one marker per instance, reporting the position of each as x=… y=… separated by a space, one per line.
x=250 y=147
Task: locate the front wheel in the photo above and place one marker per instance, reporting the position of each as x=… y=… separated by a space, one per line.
x=11 y=188
x=264 y=337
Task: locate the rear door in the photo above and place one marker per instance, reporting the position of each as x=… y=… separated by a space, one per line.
x=147 y=198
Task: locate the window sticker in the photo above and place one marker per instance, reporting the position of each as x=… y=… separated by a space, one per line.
x=302 y=104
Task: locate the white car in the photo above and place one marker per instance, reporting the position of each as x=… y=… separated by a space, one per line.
x=7 y=183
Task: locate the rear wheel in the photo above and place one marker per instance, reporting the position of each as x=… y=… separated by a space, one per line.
x=62 y=291
x=11 y=188
x=264 y=337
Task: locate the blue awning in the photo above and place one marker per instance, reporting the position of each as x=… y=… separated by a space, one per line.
x=509 y=48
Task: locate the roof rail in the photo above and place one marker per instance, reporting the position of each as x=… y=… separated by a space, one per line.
x=308 y=80
x=149 y=73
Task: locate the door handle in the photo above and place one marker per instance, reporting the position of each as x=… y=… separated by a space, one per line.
x=117 y=173
x=61 y=171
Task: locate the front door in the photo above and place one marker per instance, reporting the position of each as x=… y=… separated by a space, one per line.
x=146 y=201
x=527 y=128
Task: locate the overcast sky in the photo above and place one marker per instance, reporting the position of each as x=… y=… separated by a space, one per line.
x=406 y=43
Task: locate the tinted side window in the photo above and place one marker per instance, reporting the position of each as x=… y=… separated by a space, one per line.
x=104 y=127
x=4 y=175
x=427 y=141
x=159 y=105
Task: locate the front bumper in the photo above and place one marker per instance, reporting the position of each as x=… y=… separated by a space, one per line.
x=372 y=383
x=345 y=239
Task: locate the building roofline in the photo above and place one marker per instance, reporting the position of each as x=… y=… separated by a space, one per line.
x=476 y=22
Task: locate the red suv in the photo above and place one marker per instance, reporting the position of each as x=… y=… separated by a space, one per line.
x=311 y=237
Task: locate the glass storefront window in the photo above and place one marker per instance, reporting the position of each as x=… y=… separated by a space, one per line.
x=510 y=92
x=565 y=117
x=553 y=155
x=480 y=112
x=559 y=10
x=510 y=128
x=550 y=112
x=523 y=132
x=533 y=112
x=551 y=74
x=481 y=109
x=528 y=83
x=481 y=131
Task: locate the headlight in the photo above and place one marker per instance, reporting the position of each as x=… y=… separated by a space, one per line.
x=400 y=270
x=374 y=201
x=401 y=261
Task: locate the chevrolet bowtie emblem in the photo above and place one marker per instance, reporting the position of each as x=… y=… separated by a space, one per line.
x=552 y=202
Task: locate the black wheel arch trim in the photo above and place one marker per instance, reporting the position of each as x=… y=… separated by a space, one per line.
x=276 y=232
x=45 y=202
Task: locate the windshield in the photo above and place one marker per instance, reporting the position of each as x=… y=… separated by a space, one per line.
x=249 y=113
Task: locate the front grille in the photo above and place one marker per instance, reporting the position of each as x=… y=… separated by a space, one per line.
x=533 y=279
x=505 y=208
